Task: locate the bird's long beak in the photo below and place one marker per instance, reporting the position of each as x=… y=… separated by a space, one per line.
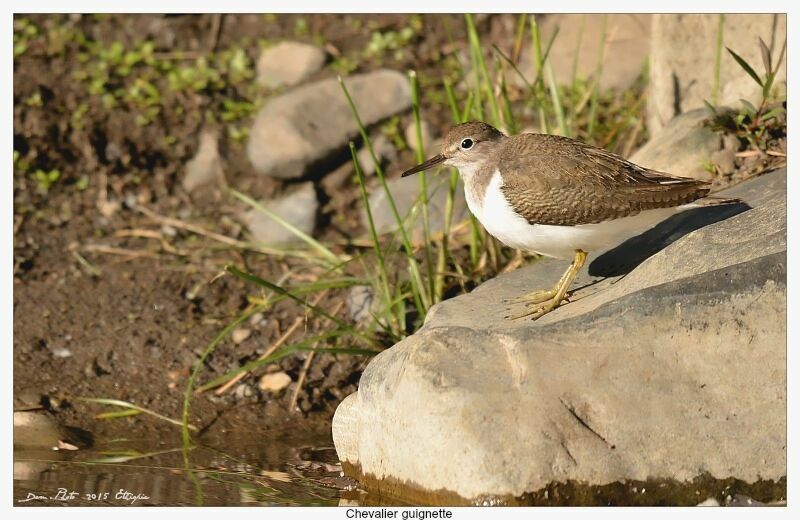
x=430 y=163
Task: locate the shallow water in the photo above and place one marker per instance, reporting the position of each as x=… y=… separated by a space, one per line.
x=238 y=470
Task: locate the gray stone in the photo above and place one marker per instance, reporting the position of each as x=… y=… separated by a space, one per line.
x=675 y=370
x=686 y=146
x=384 y=151
x=288 y=63
x=206 y=165
x=683 y=54
x=361 y=303
x=427 y=136
x=37 y=429
x=298 y=208
x=627 y=44
x=302 y=128
x=406 y=194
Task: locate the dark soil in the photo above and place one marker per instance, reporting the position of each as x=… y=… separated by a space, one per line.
x=101 y=313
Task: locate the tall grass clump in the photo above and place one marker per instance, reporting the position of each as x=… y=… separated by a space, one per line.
x=412 y=268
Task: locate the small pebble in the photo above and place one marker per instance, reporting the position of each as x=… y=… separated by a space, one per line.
x=62 y=353
x=169 y=231
x=243 y=391
x=239 y=335
x=274 y=382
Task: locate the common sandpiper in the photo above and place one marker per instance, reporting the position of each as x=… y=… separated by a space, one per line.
x=559 y=197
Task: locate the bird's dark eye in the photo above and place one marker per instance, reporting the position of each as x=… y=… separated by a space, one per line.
x=466 y=144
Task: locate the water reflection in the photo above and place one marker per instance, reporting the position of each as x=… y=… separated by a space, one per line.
x=232 y=471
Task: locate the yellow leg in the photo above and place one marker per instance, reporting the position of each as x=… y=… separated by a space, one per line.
x=540 y=303
x=539 y=296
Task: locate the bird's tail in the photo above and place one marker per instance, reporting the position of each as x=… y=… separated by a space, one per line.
x=711 y=201
x=717 y=201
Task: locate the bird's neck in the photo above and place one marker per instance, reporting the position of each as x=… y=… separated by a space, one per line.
x=478 y=173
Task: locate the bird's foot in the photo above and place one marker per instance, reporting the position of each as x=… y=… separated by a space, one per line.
x=534 y=297
x=536 y=310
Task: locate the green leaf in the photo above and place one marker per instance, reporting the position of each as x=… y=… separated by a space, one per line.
x=780 y=58
x=711 y=110
x=746 y=66
x=130 y=406
x=749 y=107
x=117 y=415
x=773 y=113
x=766 y=56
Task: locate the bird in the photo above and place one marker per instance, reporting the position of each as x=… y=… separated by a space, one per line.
x=559 y=197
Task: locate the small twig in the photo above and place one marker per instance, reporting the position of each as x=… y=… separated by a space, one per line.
x=149 y=233
x=133 y=253
x=18 y=220
x=300 y=380
x=210 y=234
x=216 y=29
x=92 y=269
x=306 y=365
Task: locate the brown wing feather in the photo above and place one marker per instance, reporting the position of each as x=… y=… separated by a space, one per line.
x=559 y=181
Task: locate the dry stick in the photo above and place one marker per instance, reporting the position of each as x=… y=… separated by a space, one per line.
x=272 y=348
x=100 y=248
x=216 y=26
x=149 y=233
x=306 y=365
x=210 y=234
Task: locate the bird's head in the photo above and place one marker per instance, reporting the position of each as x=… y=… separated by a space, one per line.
x=465 y=147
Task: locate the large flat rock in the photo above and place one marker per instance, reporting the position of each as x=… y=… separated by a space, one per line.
x=674 y=370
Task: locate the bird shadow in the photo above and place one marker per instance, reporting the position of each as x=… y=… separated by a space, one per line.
x=627 y=256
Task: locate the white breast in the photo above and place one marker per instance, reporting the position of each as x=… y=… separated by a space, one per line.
x=500 y=221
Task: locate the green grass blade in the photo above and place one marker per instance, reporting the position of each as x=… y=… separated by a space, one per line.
x=187 y=396
x=332 y=258
x=475 y=44
x=416 y=277
x=598 y=71
x=117 y=415
x=746 y=66
x=132 y=407
x=574 y=76
x=557 y=107
x=423 y=186
x=451 y=100
x=538 y=84
x=383 y=273
x=717 y=59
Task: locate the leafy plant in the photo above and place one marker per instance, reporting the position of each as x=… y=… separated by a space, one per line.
x=754 y=124
x=46 y=179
